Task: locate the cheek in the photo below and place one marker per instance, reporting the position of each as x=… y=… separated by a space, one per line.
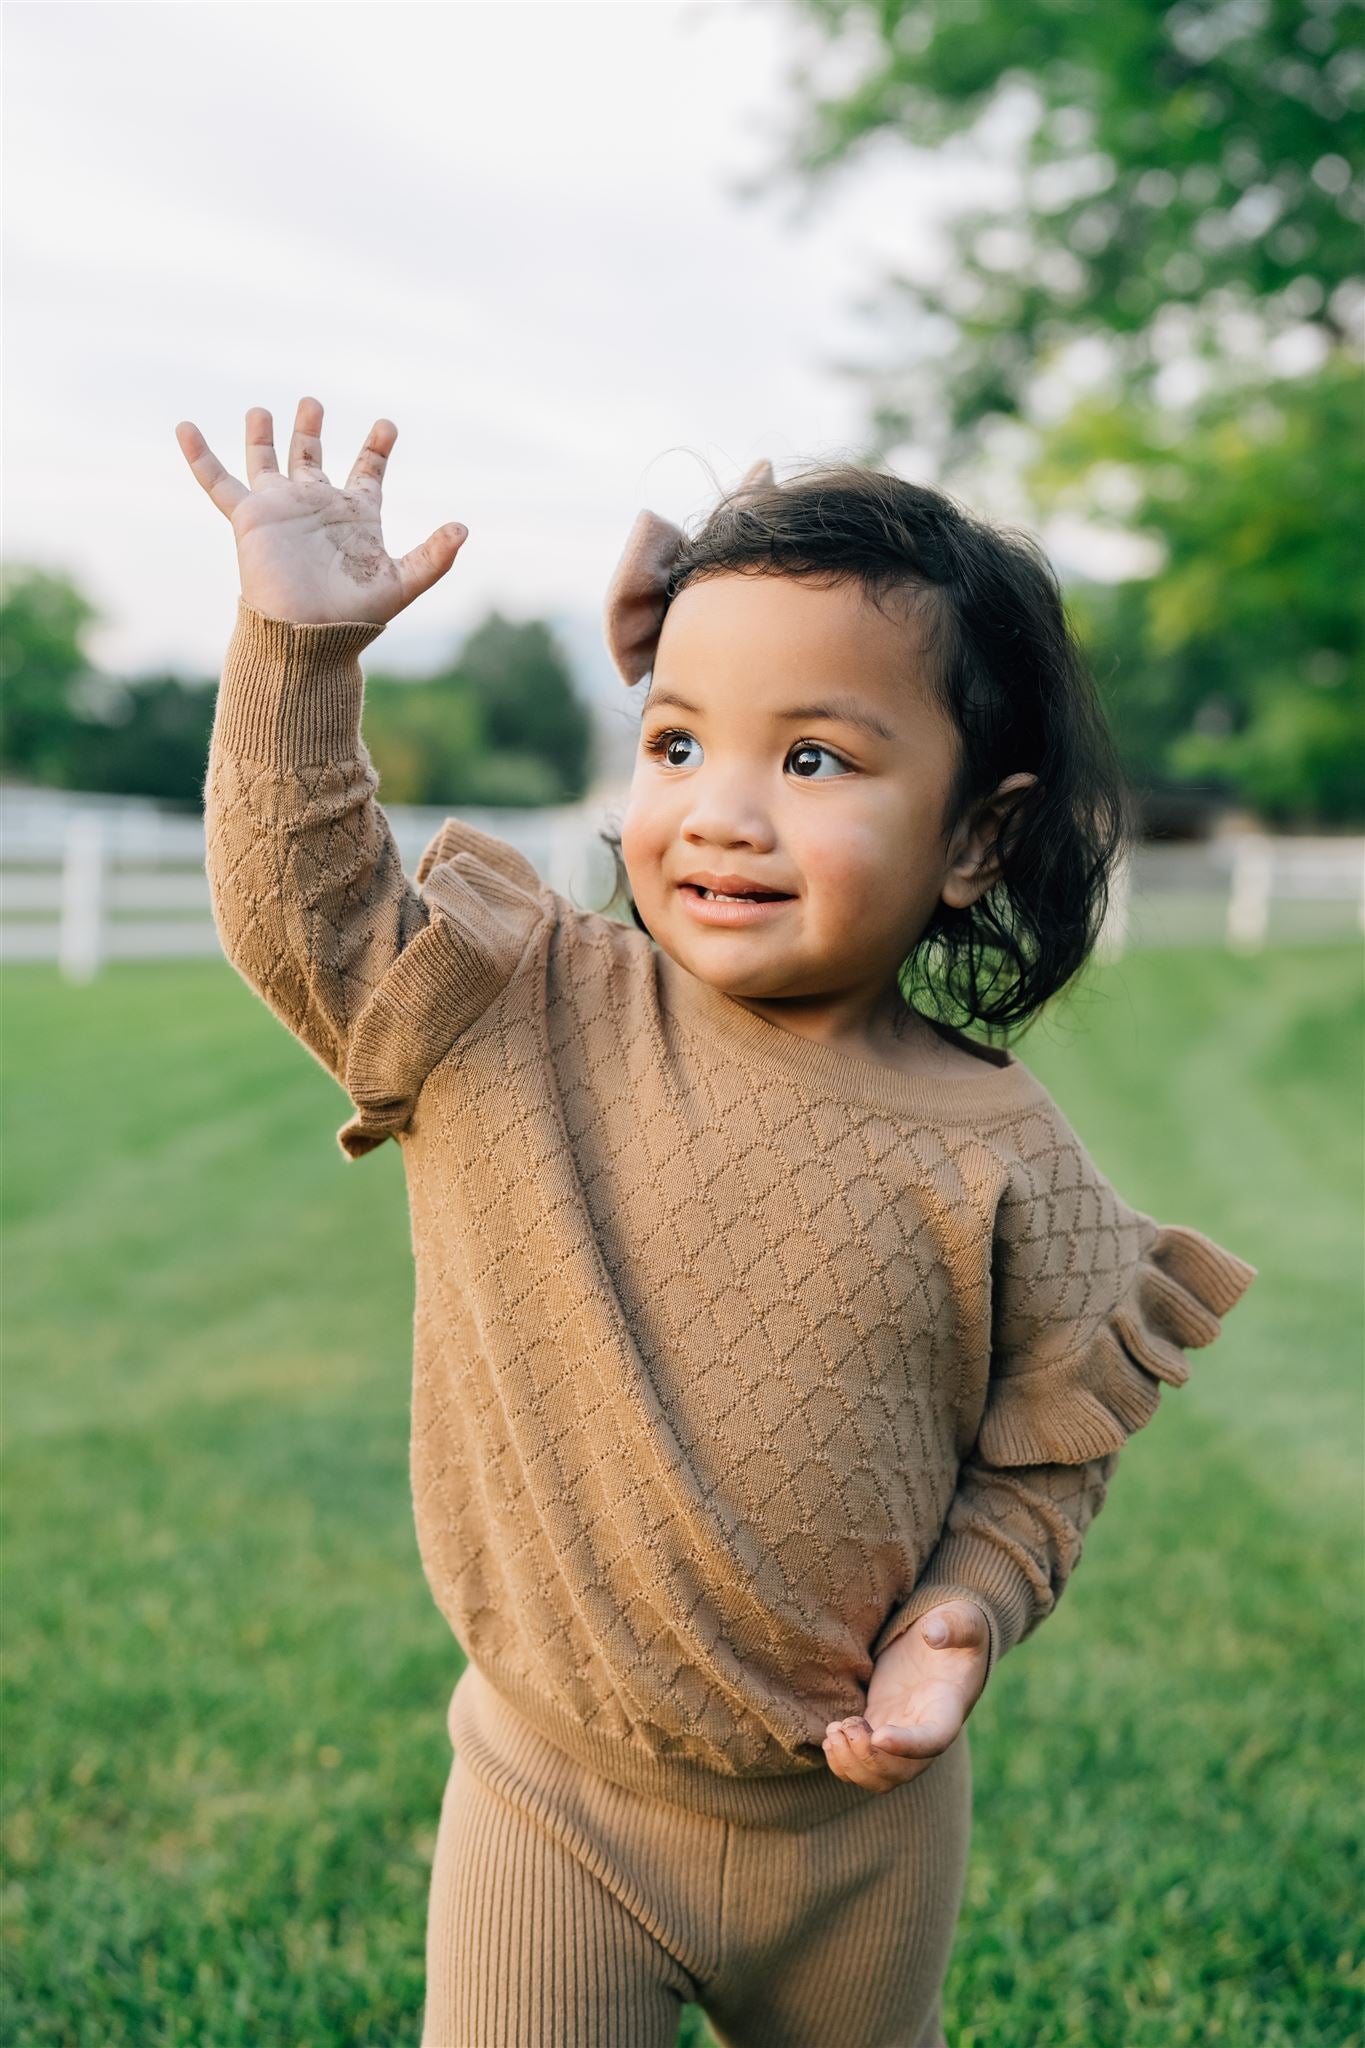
x=867 y=867
x=846 y=860
x=645 y=834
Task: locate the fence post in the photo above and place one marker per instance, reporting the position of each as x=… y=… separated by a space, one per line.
x=1113 y=933
x=80 y=944
x=1249 y=896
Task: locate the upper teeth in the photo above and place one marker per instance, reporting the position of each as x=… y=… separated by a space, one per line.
x=720 y=896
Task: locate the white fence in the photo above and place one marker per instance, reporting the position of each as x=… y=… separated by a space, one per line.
x=1242 y=889
x=84 y=880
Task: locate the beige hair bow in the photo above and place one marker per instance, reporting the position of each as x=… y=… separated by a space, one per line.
x=633 y=612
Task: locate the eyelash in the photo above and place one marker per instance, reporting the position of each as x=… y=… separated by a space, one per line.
x=658 y=744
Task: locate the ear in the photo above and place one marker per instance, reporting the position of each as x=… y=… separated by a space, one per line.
x=976 y=861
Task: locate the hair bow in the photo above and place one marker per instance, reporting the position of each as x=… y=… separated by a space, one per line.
x=636 y=600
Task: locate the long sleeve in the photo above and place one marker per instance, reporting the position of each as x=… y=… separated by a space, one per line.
x=1094 y=1306
x=374 y=974
x=1011 y=1540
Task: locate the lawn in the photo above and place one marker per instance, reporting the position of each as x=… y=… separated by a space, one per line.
x=225 y=1680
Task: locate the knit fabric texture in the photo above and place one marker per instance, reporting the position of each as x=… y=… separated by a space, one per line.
x=733 y=1353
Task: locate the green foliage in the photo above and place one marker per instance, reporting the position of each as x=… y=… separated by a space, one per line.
x=226 y=1680
x=502 y=726
x=1183 y=192
x=505 y=729
x=1241 y=663
x=520 y=678
x=424 y=739
x=152 y=739
x=1191 y=156
x=43 y=619
x=64 y=724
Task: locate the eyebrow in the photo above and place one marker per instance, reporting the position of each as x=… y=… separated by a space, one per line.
x=838 y=710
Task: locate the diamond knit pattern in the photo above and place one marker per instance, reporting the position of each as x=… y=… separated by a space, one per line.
x=731 y=1356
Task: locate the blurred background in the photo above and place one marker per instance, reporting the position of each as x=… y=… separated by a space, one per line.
x=1098 y=273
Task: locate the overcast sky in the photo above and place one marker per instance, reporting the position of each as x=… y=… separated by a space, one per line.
x=508 y=225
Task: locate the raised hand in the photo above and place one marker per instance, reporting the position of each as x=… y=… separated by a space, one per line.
x=918 y=1698
x=306 y=551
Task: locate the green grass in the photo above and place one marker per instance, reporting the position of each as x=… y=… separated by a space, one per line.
x=226 y=1681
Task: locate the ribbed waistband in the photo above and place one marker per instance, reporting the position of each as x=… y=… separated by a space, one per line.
x=487 y=1726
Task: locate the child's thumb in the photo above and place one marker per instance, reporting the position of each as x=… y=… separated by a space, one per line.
x=425 y=565
x=957 y=1624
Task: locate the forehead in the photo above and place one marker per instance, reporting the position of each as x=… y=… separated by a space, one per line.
x=754 y=631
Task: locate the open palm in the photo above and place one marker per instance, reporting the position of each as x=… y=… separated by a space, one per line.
x=306 y=551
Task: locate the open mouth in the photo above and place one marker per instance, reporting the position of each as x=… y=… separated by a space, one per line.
x=735 y=896
x=733 y=907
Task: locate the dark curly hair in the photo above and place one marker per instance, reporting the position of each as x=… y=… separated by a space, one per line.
x=1005 y=665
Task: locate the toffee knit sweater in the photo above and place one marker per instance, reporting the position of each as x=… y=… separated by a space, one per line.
x=734 y=1353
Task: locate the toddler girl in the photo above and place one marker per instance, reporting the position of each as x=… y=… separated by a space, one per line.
x=775 y=1340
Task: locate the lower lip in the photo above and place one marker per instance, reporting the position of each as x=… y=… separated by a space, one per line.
x=706 y=910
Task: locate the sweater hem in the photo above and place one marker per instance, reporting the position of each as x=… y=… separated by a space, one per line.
x=492 y=1730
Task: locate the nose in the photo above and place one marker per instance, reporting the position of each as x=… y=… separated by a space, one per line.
x=726 y=810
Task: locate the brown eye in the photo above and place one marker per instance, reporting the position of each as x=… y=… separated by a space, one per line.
x=666 y=746
x=814 y=763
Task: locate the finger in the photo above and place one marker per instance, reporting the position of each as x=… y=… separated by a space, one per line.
x=305 y=447
x=425 y=565
x=857 y=1733
x=260 y=445
x=851 y=1744
x=839 y=1756
x=851 y=1755
x=368 y=468
x=955 y=1625
x=224 y=488
x=924 y=1738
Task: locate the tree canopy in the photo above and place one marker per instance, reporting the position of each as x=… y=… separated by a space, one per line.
x=1181 y=216
x=1187 y=160
x=500 y=725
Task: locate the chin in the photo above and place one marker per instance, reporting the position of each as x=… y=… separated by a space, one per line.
x=732 y=975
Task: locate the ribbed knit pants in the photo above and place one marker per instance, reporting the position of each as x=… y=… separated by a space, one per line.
x=570 y=1912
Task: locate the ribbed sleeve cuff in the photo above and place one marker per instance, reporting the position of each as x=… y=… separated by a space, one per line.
x=965 y=1567
x=291 y=695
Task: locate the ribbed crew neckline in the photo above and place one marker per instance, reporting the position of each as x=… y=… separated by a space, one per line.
x=838 y=1075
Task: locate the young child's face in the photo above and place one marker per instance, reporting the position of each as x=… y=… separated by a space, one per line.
x=788 y=746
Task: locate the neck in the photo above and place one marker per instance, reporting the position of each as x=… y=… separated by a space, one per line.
x=860 y=1020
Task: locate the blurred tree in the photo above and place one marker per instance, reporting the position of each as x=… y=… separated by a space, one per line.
x=426 y=738
x=145 y=738
x=507 y=730
x=1239 y=665
x=43 y=618
x=523 y=684
x=1182 y=220
x=502 y=726
x=1188 y=159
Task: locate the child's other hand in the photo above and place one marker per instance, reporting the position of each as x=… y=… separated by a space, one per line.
x=918 y=1698
x=306 y=551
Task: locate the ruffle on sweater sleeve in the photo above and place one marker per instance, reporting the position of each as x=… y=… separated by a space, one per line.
x=1091 y=1399
x=484 y=903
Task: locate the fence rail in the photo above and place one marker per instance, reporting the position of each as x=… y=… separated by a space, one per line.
x=85 y=880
